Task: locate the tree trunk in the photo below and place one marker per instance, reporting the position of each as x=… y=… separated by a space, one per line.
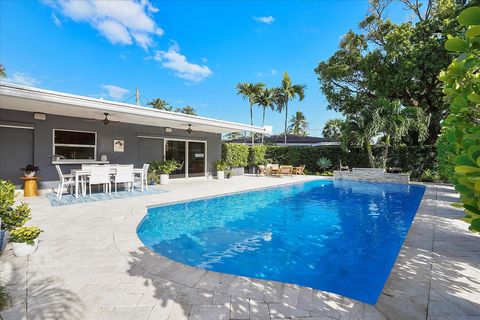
x=286 y=118
x=263 y=125
x=370 y=155
x=385 y=150
x=251 y=123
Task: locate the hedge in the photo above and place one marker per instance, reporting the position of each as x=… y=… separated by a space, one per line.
x=414 y=159
x=235 y=154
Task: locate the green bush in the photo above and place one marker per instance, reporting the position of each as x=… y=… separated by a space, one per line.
x=25 y=234
x=235 y=154
x=413 y=159
x=12 y=217
x=220 y=165
x=163 y=167
x=462 y=126
x=257 y=155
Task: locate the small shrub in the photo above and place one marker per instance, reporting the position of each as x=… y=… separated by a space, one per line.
x=430 y=176
x=324 y=163
x=12 y=217
x=25 y=234
x=163 y=167
x=220 y=165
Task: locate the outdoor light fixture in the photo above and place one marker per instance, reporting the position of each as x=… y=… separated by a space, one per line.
x=189 y=130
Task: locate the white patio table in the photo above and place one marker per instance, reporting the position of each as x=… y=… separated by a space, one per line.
x=85 y=172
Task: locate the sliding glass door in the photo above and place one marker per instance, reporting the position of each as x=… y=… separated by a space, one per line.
x=192 y=156
x=196 y=159
x=176 y=150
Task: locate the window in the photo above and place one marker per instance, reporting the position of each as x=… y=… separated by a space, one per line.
x=75 y=145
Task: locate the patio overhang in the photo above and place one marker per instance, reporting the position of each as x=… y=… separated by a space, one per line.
x=24 y=98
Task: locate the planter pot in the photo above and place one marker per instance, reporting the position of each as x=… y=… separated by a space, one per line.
x=164 y=179
x=24 y=249
x=220 y=175
x=29 y=174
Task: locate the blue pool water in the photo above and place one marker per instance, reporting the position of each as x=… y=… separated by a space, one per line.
x=337 y=236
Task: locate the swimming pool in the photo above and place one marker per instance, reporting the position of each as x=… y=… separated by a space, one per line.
x=337 y=236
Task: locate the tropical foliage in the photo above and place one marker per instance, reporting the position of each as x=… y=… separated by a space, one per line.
x=461 y=129
x=11 y=216
x=324 y=163
x=220 y=165
x=257 y=155
x=250 y=92
x=3 y=74
x=163 y=167
x=264 y=99
x=160 y=104
x=298 y=124
x=235 y=154
x=286 y=92
x=187 y=110
x=333 y=129
x=25 y=234
x=395 y=62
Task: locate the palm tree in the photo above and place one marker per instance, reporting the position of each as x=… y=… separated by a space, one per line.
x=333 y=129
x=250 y=91
x=359 y=129
x=298 y=124
x=160 y=104
x=234 y=136
x=265 y=100
x=397 y=120
x=3 y=74
x=187 y=110
x=286 y=92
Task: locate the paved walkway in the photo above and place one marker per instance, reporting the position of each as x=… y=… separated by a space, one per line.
x=91 y=265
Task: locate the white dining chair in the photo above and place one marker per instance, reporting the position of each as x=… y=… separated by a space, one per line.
x=100 y=175
x=124 y=174
x=66 y=180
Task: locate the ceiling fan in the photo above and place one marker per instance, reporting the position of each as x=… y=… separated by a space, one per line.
x=105 y=120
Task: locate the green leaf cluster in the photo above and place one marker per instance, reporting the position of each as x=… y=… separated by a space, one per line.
x=257 y=155
x=235 y=154
x=11 y=216
x=461 y=129
x=163 y=167
x=396 y=62
x=220 y=165
x=25 y=234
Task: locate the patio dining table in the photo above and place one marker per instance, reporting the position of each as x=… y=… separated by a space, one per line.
x=77 y=173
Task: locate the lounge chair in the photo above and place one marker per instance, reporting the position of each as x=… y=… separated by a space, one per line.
x=286 y=171
x=299 y=170
x=343 y=168
x=273 y=169
x=262 y=170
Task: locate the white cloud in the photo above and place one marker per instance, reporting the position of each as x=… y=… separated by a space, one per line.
x=173 y=60
x=273 y=71
x=23 y=78
x=265 y=19
x=115 y=92
x=120 y=21
x=55 y=20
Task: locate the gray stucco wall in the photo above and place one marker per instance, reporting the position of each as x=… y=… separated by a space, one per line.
x=43 y=134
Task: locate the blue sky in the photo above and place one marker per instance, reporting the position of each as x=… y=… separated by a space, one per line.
x=186 y=52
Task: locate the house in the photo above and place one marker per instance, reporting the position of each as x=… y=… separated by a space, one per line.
x=292 y=141
x=46 y=128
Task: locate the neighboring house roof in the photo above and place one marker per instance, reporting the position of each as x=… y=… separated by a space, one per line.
x=292 y=140
x=24 y=98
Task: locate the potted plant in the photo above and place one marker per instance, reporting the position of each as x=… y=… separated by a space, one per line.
x=24 y=240
x=163 y=169
x=29 y=170
x=11 y=217
x=220 y=166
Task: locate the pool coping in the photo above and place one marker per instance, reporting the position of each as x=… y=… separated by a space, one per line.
x=295 y=297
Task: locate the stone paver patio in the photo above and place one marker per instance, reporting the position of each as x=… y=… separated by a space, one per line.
x=91 y=265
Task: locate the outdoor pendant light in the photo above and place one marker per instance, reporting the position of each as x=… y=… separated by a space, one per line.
x=189 y=130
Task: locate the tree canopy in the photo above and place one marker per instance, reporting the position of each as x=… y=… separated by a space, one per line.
x=397 y=62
